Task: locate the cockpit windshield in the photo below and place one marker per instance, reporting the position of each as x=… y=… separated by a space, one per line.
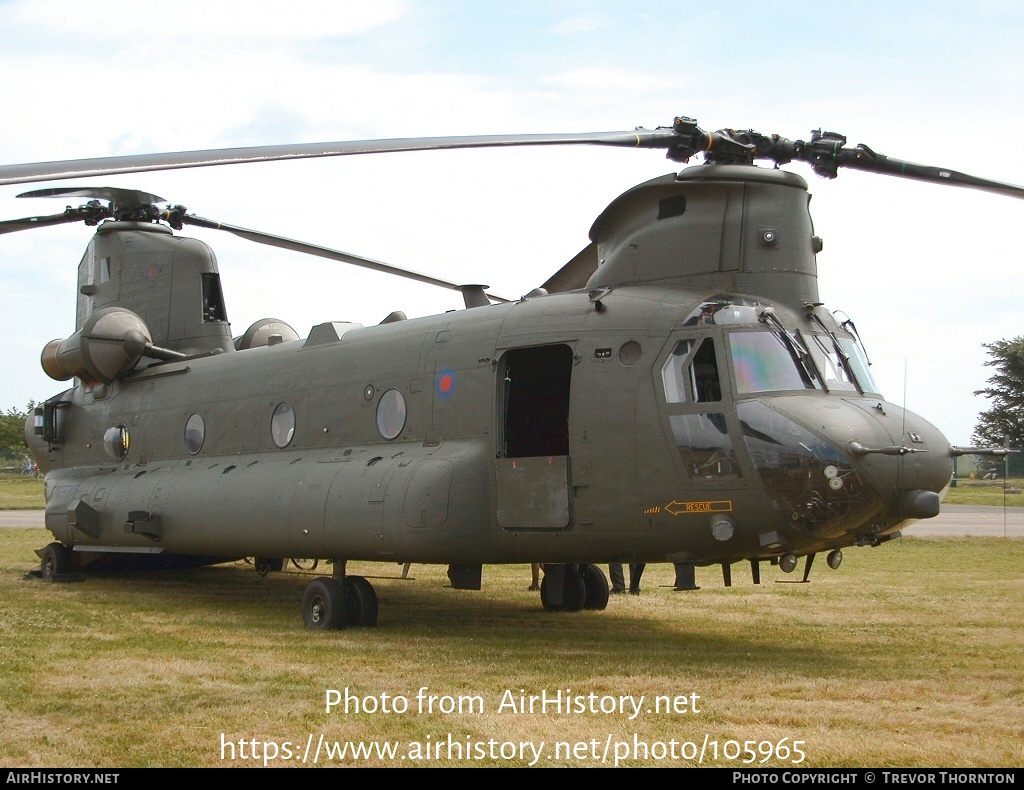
x=766 y=362
x=828 y=362
x=773 y=362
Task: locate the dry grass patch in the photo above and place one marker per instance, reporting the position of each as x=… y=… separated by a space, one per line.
x=910 y=655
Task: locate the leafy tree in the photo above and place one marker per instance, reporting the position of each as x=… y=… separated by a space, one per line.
x=12 y=434
x=1005 y=418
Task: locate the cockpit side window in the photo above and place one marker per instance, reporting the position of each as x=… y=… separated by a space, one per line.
x=690 y=374
x=859 y=364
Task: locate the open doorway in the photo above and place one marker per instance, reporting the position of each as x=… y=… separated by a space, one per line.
x=535 y=408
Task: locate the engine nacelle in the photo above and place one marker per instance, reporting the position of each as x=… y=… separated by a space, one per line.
x=109 y=344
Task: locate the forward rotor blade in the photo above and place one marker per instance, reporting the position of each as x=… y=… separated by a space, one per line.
x=863 y=159
x=79 y=168
x=323 y=252
x=27 y=223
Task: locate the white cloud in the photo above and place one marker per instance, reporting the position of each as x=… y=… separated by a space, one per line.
x=126 y=22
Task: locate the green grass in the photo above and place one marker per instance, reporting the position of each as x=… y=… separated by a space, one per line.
x=986 y=492
x=21 y=492
x=911 y=654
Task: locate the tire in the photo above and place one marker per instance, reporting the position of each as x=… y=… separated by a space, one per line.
x=573 y=591
x=56 y=561
x=323 y=605
x=595 y=584
x=360 y=602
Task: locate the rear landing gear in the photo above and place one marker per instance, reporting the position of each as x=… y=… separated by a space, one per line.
x=332 y=603
x=56 y=561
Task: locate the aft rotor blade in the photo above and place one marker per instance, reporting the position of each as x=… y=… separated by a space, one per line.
x=575 y=273
x=123 y=198
x=323 y=252
x=79 y=168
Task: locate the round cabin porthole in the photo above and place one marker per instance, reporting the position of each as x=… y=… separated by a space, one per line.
x=195 y=434
x=282 y=424
x=116 y=442
x=391 y=414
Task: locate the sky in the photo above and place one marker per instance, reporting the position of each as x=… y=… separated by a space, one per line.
x=928 y=273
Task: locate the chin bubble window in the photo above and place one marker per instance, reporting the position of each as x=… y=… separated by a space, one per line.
x=391 y=414
x=282 y=424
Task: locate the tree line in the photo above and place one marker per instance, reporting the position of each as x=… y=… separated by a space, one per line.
x=1002 y=424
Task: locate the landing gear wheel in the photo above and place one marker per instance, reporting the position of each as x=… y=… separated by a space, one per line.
x=56 y=561
x=787 y=562
x=595 y=584
x=834 y=559
x=360 y=602
x=323 y=604
x=305 y=564
x=574 y=591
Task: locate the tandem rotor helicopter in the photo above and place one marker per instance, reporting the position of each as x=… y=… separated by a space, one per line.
x=675 y=393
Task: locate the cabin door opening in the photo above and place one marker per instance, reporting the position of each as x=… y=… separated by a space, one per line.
x=532 y=472
x=536 y=401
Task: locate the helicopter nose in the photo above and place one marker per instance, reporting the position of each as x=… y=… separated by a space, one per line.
x=900 y=450
x=837 y=465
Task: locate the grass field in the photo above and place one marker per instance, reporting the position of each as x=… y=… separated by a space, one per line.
x=986 y=492
x=911 y=654
x=21 y=492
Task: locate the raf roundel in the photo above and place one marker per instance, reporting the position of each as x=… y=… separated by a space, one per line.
x=446 y=381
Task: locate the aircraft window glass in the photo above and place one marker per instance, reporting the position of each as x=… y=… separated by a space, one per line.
x=704 y=373
x=116 y=442
x=827 y=361
x=195 y=434
x=704 y=444
x=762 y=362
x=391 y=414
x=723 y=310
x=811 y=483
x=282 y=424
x=859 y=363
x=674 y=376
x=692 y=378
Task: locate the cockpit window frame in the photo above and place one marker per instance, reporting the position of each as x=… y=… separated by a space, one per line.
x=737 y=473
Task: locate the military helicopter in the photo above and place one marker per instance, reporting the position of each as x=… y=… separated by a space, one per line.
x=677 y=392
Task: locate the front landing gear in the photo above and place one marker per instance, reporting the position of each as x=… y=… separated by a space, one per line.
x=569 y=588
x=323 y=605
x=332 y=603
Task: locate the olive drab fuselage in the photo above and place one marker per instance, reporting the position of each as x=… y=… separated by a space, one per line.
x=688 y=400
